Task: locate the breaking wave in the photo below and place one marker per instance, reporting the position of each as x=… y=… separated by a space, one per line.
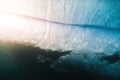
x=23 y=60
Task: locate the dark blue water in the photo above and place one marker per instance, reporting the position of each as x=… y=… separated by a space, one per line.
x=25 y=61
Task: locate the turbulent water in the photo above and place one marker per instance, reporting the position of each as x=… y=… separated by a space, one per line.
x=73 y=51
x=97 y=12
x=25 y=61
x=76 y=39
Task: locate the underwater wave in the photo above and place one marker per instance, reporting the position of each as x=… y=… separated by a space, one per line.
x=25 y=61
x=43 y=48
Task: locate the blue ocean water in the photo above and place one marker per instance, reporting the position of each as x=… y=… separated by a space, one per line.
x=79 y=41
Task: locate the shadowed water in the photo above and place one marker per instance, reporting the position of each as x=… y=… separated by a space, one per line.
x=25 y=61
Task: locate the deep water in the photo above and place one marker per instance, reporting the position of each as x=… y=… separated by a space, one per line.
x=20 y=61
x=23 y=62
x=63 y=40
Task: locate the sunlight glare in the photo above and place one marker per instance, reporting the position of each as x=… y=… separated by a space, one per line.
x=11 y=21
